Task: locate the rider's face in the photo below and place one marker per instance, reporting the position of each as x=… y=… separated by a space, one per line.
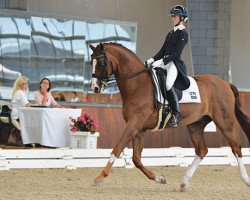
x=175 y=19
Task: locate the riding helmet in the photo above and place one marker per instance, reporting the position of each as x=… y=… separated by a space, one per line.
x=180 y=11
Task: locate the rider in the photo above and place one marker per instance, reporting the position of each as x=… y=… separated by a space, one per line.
x=169 y=58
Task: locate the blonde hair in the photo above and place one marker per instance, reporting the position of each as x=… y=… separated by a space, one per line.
x=17 y=85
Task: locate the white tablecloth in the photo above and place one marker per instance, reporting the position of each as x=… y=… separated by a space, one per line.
x=47 y=126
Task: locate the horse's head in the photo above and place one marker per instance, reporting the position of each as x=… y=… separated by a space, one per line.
x=100 y=68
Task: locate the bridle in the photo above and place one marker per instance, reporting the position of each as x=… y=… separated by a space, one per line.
x=104 y=77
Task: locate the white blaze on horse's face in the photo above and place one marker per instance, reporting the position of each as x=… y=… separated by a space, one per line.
x=94 y=85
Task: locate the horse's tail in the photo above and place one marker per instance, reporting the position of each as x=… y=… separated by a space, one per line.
x=242 y=118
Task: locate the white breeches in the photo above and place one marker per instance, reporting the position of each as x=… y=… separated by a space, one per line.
x=171 y=74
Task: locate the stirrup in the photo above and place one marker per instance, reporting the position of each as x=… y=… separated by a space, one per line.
x=174 y=120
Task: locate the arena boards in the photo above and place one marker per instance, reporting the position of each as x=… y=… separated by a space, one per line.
x=79 y=158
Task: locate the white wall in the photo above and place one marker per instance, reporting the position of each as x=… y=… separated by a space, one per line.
x=152 y=18
x=240 y=44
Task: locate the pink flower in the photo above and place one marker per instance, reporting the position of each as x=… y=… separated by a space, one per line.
x=74 y=129
x=85 y=122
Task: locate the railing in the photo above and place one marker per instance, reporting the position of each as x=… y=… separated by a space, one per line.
x=78 y=158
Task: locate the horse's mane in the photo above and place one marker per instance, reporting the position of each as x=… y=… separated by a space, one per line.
x=122 y=47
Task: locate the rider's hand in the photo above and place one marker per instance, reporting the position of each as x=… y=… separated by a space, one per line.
x=149 y=62
x=158 y=63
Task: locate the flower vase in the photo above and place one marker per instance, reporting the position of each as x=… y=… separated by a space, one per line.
x=84 y=140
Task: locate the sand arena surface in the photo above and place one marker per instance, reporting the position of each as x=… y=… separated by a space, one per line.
x=209 y=182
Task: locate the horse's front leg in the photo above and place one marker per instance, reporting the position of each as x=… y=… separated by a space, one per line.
x=138 y=144
x=130 y=131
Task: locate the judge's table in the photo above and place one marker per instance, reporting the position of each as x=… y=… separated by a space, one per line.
x=47 y=126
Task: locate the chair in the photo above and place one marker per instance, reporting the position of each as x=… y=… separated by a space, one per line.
x=5 y=117
x=12 y=127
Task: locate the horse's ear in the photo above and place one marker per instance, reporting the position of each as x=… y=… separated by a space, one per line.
x=101 y=46
x=91 y=46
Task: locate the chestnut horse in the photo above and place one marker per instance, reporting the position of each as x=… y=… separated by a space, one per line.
x=219 y=103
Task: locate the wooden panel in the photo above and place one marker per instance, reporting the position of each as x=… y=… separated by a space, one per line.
x=112 y=124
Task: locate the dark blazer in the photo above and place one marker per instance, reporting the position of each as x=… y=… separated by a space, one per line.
x=171 y=51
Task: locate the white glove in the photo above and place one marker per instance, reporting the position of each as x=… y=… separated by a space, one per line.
x=149 y=62
x=158 y=63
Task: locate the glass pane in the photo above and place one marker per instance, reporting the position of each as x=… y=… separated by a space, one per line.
x=56 y=48
x=97 y=32
x=14 y=51
x=57 y=53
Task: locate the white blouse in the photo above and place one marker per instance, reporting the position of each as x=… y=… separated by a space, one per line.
x=19 y=100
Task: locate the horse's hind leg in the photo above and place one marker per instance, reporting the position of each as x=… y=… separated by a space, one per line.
x=228 y=129
x=196 y=131
x=138 y=144
x=243 y=172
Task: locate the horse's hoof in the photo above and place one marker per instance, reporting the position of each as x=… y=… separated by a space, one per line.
x=184 y=187
x=98 y=182
x=247 y=182
x=160 y=179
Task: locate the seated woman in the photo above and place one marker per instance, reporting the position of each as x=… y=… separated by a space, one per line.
x=74 y=97
x=19 y=98
x=43 y=96
x=85 y=98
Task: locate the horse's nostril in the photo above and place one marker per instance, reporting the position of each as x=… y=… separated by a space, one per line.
x=96 y=89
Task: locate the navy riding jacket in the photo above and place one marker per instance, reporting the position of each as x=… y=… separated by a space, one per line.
x=171 y=51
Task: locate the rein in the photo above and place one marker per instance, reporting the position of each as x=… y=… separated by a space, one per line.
x=129 y=76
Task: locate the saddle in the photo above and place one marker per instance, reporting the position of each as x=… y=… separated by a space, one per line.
x=165 y=116
x=162 y=76
x=190 y=95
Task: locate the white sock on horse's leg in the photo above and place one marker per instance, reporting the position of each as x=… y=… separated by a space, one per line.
x=190 y=171
x=112 y=158
x=243 y=172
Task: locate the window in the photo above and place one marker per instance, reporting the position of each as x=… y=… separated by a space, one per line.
x=56 y=48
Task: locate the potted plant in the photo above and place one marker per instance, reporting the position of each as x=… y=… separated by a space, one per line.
x=84 y=132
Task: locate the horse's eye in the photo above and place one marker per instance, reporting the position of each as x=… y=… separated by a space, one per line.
x=101 y=61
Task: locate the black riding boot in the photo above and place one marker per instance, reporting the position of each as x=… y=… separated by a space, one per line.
x=174 y=105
